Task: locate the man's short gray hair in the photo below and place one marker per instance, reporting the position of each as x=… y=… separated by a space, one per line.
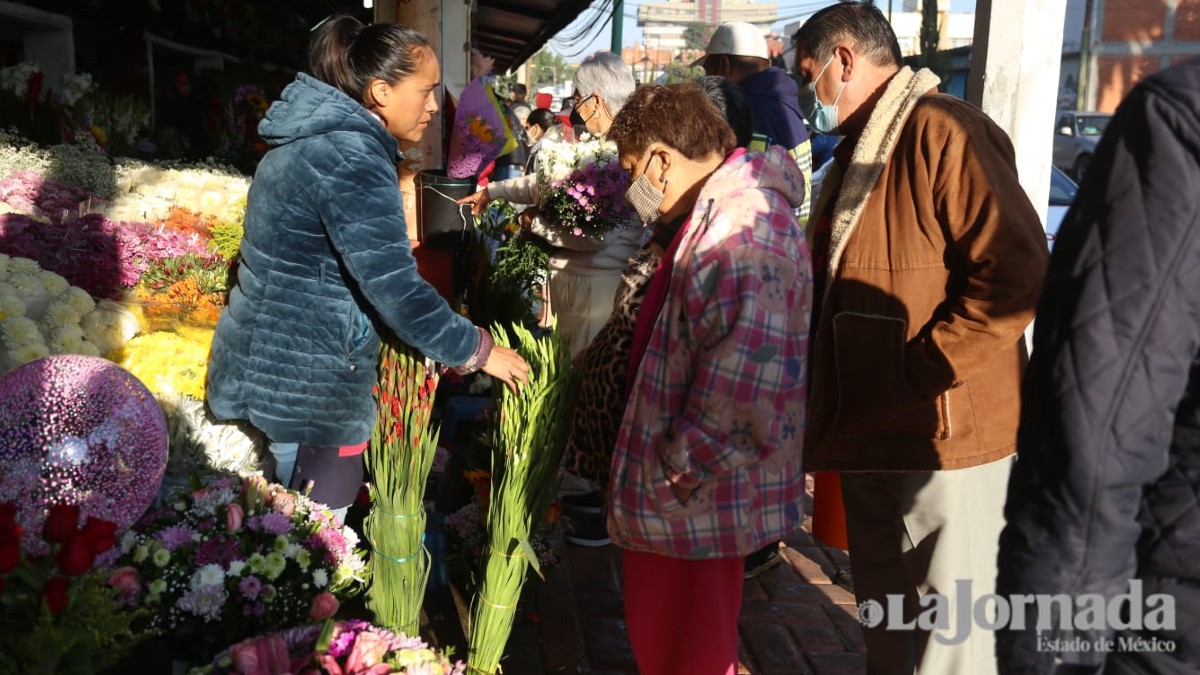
x=604 y=73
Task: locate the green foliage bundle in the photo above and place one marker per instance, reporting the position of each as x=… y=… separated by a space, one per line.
x=528 y=436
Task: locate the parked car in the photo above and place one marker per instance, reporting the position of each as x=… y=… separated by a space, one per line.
x=1075 y=138
x=1062 y=195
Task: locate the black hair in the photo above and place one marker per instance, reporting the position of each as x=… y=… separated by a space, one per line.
x=348 y=56
x=860 y=23
x=543 y=117
x=520 y=90
x=729 y=100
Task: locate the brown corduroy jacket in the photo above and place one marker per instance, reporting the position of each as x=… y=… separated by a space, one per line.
x=935 y=264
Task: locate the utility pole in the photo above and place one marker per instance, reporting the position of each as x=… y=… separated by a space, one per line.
x=618 y=19
x=889 y=11
x=1085 y=56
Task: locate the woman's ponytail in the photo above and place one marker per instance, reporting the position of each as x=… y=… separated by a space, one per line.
x=348 y=56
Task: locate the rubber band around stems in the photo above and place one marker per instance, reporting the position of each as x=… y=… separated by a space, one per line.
x=401 y=561
x=489 y=602
x=518 y=554
x=398 y=516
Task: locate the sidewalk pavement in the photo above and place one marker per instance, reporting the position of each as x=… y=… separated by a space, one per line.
x=795 y=620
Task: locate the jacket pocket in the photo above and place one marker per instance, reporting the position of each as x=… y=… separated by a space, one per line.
x=874 y=398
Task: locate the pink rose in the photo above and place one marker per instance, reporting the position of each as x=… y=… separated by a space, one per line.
x=323 y=607
x=126 y=583
x=265 y=655
x=367 y=652
x=234 y=515
x=284 y=502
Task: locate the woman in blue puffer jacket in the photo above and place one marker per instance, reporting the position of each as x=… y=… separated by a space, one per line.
x=326 y=261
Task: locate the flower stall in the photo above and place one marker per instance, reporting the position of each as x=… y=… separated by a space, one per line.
x=116 y=270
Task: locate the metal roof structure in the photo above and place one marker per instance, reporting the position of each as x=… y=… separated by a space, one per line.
x=511 y=31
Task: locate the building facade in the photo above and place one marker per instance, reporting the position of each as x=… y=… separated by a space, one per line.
x=1129 y=39
x=663 y=23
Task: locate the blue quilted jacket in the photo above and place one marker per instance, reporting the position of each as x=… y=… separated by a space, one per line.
x=325 y=262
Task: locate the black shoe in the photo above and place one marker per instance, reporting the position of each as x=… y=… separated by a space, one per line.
x=762 y=560
x=589 y=530
x=583 y=502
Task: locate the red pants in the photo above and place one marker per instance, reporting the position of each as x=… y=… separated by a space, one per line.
x=682 y=615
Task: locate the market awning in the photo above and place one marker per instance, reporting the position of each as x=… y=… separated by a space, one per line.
x=511 y=31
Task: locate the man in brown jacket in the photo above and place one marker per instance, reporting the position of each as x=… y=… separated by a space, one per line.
x=929 y=260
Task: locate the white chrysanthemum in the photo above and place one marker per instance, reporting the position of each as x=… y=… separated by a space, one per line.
x=320 y=578
x=25 y=283
x=10 y=304
x=79 y=299
x=87 y=349
x=110 y=325
x=19 y=331
x=68 y=332
x=60 y=313
x=54 y=283
x=25 y=266
x=29 y=352
x=65 y=344
x=209 y=575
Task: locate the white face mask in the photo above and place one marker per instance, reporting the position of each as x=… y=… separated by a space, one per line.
x=645 y=198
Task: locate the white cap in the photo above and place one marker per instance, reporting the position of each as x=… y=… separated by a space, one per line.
x=736 y=38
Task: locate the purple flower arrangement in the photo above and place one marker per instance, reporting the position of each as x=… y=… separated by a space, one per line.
x=590 y=201
x=235 y=559
x=99 y=255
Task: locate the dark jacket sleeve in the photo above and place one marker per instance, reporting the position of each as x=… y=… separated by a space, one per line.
x=1116 y=334
x=359 y=203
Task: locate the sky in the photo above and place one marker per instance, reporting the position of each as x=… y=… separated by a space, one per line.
x=789 y=10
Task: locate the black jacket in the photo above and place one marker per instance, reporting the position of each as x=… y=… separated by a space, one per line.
x=1107 y=482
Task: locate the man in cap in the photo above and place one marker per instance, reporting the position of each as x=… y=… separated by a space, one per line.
x=738 y=53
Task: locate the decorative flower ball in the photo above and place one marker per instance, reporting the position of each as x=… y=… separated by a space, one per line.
x=79 y=430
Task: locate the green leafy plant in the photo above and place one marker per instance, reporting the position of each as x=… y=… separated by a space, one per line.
x=227 y=236
x=528 y=436
x=210 y=274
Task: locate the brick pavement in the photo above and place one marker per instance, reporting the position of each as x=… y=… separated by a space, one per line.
x=794 y=621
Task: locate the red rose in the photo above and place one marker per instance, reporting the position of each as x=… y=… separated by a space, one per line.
x=55 y=593
x=100 y=535
x=76 y=556
x=61 y=523
x=10 y=555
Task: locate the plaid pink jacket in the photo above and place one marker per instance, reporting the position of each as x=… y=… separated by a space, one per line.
x=718 y=401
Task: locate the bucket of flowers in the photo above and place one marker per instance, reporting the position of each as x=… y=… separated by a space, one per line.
x=234 y=559
x=350 y=647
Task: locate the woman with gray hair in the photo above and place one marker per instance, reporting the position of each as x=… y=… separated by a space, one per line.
x=584 y=272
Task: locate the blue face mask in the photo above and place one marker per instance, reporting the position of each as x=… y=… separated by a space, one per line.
x=822 y=118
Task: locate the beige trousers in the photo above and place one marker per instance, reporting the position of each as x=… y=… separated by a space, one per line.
x=914 y=533
x=582 y=305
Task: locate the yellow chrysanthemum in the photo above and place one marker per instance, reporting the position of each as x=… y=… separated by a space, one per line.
x=169 y=363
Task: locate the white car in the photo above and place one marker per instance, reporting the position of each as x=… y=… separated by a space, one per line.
x=1062 y=194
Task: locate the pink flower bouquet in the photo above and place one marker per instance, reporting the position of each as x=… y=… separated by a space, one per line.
x=481 y=131
x=342 y=648
x=235 y=559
